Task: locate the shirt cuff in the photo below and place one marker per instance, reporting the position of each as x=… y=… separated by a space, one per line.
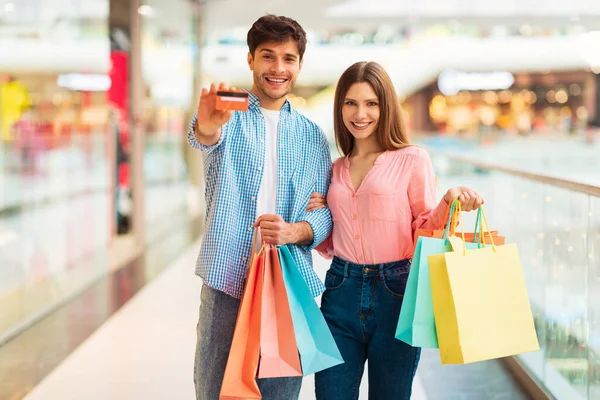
x=193 y=141
x=321 y=228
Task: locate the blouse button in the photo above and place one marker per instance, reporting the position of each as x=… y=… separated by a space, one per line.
x=357 y=237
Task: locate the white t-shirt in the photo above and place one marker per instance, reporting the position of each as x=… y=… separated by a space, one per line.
x=266 y=202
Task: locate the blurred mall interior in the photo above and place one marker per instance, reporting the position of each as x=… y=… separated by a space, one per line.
x=101 y=198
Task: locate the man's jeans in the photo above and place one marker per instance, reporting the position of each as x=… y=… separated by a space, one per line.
x=218 y=313
x=361 y=305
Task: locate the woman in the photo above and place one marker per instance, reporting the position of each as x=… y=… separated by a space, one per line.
x=382 y=190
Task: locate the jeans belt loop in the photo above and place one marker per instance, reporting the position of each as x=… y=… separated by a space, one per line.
x=346 y=269
x=381 y=275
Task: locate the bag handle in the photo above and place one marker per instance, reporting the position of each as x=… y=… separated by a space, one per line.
x=487 y=227
x=481 y=239
x=451 y=220
x=478 y=232
x=253 y=251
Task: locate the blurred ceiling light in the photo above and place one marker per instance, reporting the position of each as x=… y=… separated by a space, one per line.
x=518 y=102
x=562 y=97
x=145 y=10
x=566 y=112
x=505 y=96
x=437 y=108
x=84 y=82
x=530 y=97
x=465 y=97
x=9 y=7
x=451 y=82
x=487 y=116
x=439 y=100
x=582 y=113
x=490 y=97
x=551 y=96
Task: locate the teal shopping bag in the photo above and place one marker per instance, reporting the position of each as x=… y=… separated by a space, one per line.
x=318 y=350
x=416 y=323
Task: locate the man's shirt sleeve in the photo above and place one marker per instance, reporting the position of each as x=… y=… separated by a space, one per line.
x=193 y=141
x=320 y=220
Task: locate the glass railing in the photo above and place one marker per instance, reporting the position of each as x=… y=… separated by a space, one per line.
x=556 y=226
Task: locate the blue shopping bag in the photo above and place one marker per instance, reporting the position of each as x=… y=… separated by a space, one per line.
x=318 y=350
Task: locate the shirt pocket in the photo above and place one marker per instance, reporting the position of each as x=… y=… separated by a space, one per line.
x=382 y=207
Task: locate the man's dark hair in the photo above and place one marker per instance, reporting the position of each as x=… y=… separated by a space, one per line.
x=272 y=28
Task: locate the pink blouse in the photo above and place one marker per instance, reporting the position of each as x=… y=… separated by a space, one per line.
x=375 y=224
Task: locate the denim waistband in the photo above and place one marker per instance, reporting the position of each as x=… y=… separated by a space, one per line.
x=348 y=268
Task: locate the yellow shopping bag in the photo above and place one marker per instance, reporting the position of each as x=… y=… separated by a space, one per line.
x=480 y=303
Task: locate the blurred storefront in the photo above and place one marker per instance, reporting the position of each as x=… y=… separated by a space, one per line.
x=470 y=103
x=94 y=99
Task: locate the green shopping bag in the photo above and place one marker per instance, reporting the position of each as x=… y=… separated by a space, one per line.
x=416 y=323
x=318 y=350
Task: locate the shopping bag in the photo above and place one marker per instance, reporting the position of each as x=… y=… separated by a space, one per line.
x=239 y=381
x=416 y=323
x=480 y=303
x=278 y=350
x=473 y=237
x=318 y=350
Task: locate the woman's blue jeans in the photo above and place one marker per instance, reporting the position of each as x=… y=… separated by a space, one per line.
x=361 y=305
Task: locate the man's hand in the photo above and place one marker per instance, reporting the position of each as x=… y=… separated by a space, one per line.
x=274 y=230
x=210 y=120
x=469 y=199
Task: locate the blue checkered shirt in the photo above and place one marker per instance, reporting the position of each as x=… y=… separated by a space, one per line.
x=233 y=173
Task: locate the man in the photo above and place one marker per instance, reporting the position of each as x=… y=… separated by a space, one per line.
x=261 y=167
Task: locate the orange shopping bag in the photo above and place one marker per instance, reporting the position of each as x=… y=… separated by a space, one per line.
x=473 y=237
x=279 y=355
x=239 y=382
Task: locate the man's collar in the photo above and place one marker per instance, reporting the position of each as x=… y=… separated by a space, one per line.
x=254 y=102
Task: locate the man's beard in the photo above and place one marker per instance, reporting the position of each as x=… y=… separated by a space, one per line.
x=259 y=80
